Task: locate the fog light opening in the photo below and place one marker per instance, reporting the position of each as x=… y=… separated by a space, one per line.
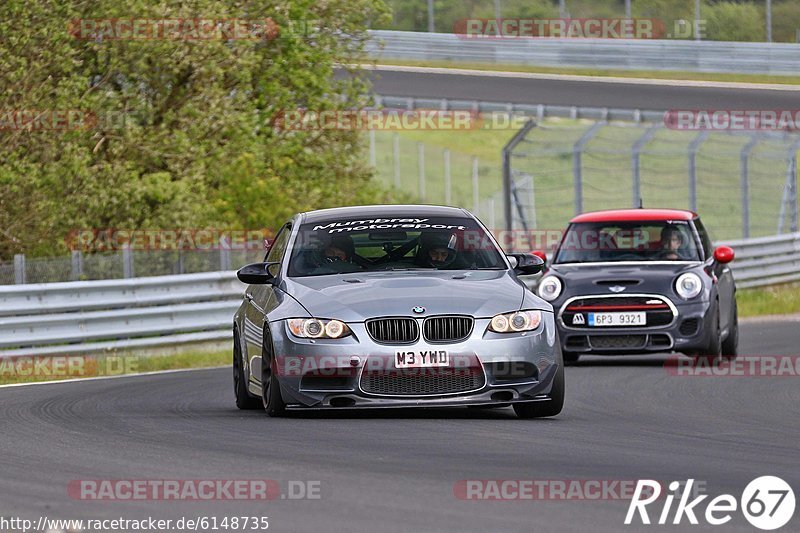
x=502 y=396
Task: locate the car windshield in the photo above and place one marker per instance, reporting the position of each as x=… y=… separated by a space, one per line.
x=628 y=241
x=392 y=243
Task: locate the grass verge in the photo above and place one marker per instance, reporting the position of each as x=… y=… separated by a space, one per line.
x=777 y=300
x=52 y=368
x=645 y=74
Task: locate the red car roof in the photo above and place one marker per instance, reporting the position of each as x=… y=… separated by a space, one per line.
x=634 y=215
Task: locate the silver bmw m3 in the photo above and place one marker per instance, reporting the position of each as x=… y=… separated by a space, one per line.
x=393 y=306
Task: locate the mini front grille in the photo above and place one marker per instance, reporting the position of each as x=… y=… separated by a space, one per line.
x=422 y=381
x=658 y=311
x=447 y=328
x=610 y=342
x=393 y=330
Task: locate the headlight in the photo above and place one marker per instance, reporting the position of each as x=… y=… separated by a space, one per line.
x=513 y=322
x=550 y=288
x=313 y=328
x=688 y=285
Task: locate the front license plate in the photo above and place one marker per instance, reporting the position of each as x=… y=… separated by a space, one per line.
x=421 y=358
x=618 y=319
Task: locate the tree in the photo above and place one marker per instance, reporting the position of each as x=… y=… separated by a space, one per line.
x=184 y=133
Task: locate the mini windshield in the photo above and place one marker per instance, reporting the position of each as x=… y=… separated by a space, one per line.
x=628 y=241
x=392 y=243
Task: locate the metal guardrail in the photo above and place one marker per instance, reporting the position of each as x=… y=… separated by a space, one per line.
x=100 y=316
x=675 y=55
x=540 y=111
x=766 y=261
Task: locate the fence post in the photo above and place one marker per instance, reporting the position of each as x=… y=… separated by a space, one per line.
x=20 y=277
x=396 y=158
x=636 y=162
x=475 y=193
x=372 y=159
x=421 y=162
x=448 y=193
x=76 y=265
x=224 y=254
x=694 y=147
x=577 y=167
x=128 y=270
x=508 y=149
x=744 y=171
x=789 y=197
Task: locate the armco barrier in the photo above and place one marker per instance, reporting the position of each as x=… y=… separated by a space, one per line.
x=96 y=316
x=641 y=54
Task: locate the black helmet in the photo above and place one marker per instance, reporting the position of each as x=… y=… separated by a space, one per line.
x=437 y=249
x=342 y=242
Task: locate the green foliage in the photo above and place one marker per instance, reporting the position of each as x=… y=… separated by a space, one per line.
x=727 y=21
x=185 y=134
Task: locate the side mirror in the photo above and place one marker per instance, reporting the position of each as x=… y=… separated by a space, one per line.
x=256 y=274
x=526 y=264
x=723 y=254
x=540 y=254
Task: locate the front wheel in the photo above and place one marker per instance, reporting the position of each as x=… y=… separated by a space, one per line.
x=271 y=397
x=571 y=358
x=713 y=351
x=730 y=346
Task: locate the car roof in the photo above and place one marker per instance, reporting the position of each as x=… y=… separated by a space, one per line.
x=382 y=211
x=634 y=215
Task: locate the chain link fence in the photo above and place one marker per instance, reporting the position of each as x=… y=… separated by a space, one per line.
x=744 y=184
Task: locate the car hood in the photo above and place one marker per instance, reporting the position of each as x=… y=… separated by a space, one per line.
x=360 y=296
x=636 y=278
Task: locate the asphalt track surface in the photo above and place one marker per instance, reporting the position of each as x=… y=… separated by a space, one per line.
x=520 y=90
x=624 y=419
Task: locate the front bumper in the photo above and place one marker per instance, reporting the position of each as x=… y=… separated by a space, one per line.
x=686 y=333
x=507 y=368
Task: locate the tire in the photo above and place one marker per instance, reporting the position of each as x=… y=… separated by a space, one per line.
x=556 y=402
x=271 y=398
x=713 y=351
x=730 y=346
x=243 y=399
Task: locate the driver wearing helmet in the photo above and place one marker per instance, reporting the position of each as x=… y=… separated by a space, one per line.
x=339 y=248
x=437 y=250
x=672 y=244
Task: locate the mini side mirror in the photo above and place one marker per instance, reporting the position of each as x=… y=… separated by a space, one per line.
x=723 y=254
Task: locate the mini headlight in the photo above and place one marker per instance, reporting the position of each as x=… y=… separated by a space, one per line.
x=550 y=288
x=314 y=328
x=688 y=285
x=514 y=322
